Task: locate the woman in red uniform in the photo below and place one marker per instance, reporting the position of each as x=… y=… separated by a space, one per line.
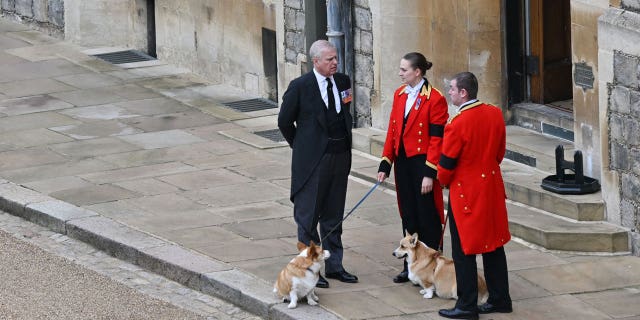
x=413 y=144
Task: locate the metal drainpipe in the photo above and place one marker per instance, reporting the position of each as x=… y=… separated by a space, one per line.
x=334 y=30
x=335 y=23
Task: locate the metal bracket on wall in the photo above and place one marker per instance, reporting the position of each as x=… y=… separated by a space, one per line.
x=532 y=65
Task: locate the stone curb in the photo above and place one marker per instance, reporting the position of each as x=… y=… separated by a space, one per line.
x=172 y=261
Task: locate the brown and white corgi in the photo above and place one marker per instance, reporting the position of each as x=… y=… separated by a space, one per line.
x=299 y=277
x=430 y=270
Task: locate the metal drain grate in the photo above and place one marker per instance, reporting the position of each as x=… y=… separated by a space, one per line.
x=121 y=57
x=273 y=135
x=251 y=105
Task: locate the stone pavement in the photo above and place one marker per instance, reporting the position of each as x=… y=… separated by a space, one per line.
x=144 y=162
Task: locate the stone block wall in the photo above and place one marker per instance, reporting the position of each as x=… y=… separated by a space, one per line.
x=619 y=62
x=44 y=15
x=363 y=73
x=624 y=135
x=293 y=30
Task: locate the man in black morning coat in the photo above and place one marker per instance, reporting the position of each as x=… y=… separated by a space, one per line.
x=315 y=120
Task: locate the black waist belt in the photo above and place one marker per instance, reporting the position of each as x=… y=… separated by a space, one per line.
x=338 y=145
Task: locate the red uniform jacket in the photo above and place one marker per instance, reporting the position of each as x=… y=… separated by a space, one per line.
x=472 y=150
x=422 y=133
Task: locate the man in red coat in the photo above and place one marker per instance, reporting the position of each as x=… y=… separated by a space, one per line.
x=473 y=147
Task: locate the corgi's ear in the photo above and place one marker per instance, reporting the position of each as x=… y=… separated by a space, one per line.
x=313 y=251
x=414 y=239
x=301 y=246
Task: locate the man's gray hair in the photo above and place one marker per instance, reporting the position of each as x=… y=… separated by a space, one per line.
x=316 y=48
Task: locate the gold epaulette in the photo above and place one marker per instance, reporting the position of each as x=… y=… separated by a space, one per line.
x=401 y=91
x=473 y=105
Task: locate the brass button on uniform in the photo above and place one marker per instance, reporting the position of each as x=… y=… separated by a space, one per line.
x=419 y=140
x=420 y=124
x=462 y=196
x=418 y=149
x=483 y=175
x=493 y=172
x=419 y=133
x=459 y=184
x=466 y=208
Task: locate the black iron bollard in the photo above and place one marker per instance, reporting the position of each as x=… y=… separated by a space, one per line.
x=575 y=183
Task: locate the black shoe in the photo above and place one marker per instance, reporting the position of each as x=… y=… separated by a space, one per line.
x=401 y=277
x=322 y=283
x=342 y=276
x=490 y=308
x=456 y=313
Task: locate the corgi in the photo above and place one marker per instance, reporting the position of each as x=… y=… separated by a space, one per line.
x=299 y=277
x=432 y=271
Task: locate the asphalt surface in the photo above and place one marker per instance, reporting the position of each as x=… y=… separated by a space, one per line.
x=39 y=284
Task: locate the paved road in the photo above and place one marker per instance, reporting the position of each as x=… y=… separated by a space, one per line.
x=45 y=275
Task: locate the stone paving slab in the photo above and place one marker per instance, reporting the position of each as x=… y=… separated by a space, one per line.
x=43 y=52
x=152 y=106
x=22 y=158
x=34 y=121
x=39 y=70
x=161 y=139
x=96 y=129
x=32 y=104
x=99 y=112
x=48 y=186
x=9 y=43
x=68 y=168
x=9 y=59
x=88 y=195
x=89 y=80
x=32 y=87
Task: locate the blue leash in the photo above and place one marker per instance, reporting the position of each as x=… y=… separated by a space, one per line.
x=352 y=209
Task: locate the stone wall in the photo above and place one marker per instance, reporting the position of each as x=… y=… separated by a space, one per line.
x=44 y=15
x=293 y=30
x=619 y=60
x=363 y=57
x=107 y=23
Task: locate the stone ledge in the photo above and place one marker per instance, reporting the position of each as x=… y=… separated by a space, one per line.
x=191 y=269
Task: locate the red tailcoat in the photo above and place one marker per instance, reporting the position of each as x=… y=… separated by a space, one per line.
x=472 y=150
x=420 y=137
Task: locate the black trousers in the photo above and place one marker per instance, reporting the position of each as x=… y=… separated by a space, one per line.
x=321 y=201
x=495 y=273
x=418 y=211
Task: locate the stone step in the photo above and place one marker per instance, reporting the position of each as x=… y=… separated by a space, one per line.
x=522 y=184
x=544 y=119
x=554 y=233
x=547 y=219
x=535 y=149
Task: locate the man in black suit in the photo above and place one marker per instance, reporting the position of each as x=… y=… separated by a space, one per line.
x=315 y=120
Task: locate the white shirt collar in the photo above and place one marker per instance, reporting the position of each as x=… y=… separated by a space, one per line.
x=413 y=90
x=321 y=79
x=466 y=104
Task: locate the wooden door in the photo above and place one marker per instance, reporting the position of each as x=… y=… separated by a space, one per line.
x=550 y=43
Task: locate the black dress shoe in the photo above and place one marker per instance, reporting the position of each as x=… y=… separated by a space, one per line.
x=490 y=308
x=322 y=283
x=401 y=277
x=342 y=276
x=456 y=313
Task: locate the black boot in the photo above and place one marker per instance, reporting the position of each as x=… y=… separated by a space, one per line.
x=402 y=276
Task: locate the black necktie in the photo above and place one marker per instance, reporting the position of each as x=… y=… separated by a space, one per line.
x=330 y=98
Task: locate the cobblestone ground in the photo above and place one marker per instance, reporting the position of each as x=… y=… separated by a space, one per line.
x=125 y=273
